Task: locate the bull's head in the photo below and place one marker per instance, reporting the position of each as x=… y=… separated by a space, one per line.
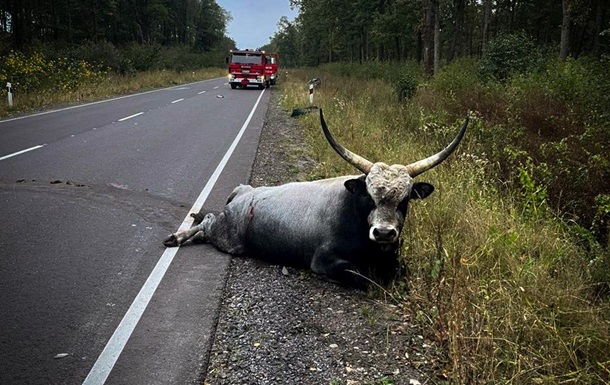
x=388 y=189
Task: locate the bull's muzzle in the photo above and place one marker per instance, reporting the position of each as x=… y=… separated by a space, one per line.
x=383 y=234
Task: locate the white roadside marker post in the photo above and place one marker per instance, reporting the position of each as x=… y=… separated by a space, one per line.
x=311 y=94
x=9 y=94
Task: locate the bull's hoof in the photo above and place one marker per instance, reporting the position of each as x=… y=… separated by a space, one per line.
x=171 y=241
x=198 y=217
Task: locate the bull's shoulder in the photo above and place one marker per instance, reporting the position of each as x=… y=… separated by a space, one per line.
x=239 y=190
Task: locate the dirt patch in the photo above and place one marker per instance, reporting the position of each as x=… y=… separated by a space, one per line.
x=286 y=326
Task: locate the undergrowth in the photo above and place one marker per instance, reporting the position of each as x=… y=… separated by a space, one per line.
x=511 y=288
x=45 y=79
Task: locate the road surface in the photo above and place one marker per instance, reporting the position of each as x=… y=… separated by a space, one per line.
x=88 y=291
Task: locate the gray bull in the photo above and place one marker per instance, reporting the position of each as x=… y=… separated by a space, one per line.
x=345 y=228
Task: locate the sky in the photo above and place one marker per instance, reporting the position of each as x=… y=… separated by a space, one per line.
x=255 y=21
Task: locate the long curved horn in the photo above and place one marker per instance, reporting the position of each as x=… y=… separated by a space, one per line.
x=426 y=164
x=354 y=159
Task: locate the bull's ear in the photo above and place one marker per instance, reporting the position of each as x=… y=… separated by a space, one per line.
x=356 y=186
x=421 y=190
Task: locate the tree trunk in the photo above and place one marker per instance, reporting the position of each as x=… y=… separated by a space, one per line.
x=598 y=29
x=428 y=39
x=457 y=32
x=486 y=22
x=564 y=45
x=437 y=37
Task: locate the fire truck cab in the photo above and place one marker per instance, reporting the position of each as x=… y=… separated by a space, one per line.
x=271 y=67
x=249 y=67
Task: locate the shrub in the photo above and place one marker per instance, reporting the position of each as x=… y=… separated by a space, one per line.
x=406 y=85
x=101 y=53
x=38 y=73
x=509 y=54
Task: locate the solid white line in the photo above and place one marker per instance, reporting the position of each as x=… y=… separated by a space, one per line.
x=202 y=92
x=176 y=101
x=130 y=116
x=21 y=152
x=99 y=102
x=105 y=362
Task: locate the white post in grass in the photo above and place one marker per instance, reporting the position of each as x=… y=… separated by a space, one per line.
x=10 y=94
x=311 y=94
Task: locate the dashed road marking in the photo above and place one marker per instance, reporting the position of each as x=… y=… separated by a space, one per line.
x=130 y=116
x=21 y=152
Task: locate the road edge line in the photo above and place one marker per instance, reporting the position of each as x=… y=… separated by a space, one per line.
x=109 y=356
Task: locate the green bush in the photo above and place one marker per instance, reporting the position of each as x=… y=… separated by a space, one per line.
x=36 y=72
x=141 y=57
x=405 y=85
x=101 y=53
x=509 y=54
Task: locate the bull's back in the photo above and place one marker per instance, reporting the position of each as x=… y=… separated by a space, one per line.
x=288 y=223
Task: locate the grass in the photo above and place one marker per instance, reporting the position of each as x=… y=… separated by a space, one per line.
x=108 y=86
x=502 y=286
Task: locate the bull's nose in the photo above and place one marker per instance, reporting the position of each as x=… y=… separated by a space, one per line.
x=384 y=234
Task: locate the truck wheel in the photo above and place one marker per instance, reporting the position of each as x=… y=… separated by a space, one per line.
x=233 y=86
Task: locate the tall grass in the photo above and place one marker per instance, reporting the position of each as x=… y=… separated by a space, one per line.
x=46 y=78
x=106 y=86
x=503 y=287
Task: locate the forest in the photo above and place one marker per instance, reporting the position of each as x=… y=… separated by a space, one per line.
x=122 y=35
x=433 y=32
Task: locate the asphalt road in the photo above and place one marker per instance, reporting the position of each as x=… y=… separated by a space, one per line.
x=87 y=290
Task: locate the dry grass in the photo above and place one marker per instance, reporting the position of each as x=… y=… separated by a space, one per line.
x=506 y=293
x=109 y=86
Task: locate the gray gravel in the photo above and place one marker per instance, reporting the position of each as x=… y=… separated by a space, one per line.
x=286 y=326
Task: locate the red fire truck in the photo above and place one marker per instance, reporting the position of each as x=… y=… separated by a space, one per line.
x=271 y=61
x=251 y=67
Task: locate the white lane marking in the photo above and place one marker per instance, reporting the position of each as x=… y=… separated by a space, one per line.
x=21 y=152
x=225 y=84
x=217 y=87
x=98 y=102
x=176 y=101
x=105 y=362
x=202 y=92
x=130 y=116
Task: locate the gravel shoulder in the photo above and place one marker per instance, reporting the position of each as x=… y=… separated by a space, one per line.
x=286 y=326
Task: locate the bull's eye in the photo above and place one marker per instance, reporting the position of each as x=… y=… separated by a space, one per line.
x=402 y=206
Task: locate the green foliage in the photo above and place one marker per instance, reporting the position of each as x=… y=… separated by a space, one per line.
x=36 y=73
x=512 y=292
x=405 y=85
x=100 y=53
x=507 y=55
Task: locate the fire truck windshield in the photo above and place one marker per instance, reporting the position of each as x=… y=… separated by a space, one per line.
x=246 y=58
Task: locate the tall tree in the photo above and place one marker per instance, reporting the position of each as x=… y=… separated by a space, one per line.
x=566 y=25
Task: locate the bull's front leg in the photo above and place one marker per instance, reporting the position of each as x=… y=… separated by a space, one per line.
x=339 y=270
x=179 y=237
x=196 y=234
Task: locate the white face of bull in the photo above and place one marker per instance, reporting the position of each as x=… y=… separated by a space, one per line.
x=390 y=187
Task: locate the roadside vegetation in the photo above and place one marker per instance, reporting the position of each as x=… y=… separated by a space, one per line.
x=54 y=53
x=41 y=79
x=508 y=259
